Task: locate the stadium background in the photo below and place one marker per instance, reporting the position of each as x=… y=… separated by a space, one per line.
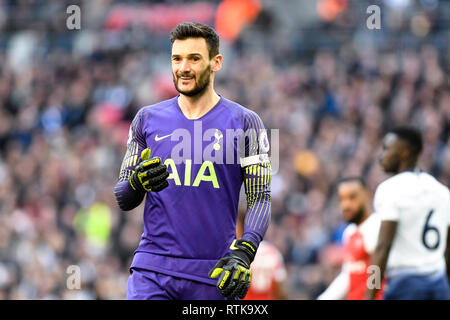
x=311 y=69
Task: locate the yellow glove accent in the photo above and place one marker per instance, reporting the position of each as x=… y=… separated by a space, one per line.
x=216 y=272
x=225 y=278
x=145 y=154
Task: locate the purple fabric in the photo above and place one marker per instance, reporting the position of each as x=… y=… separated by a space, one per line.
x=257 y=184
x=127 y=198
x=188 y=228
x=149 y=285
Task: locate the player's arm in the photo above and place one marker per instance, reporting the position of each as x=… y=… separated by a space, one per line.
x=257 y=173
x=385 y=205
x=257 y=189
x=338 y=289
x=279 y=292
x=233 y=270
x=380 y=255
x=127 y=198
x=139 y=173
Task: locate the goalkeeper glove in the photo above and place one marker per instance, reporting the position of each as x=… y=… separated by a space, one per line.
x=150 y=174
x=233 y=270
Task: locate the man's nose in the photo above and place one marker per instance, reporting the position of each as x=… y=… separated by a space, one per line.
x=185 y=66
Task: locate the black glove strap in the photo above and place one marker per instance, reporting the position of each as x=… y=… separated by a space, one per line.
x=244 y=249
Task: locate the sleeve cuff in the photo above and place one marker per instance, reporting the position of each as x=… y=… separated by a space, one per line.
x=253 y=237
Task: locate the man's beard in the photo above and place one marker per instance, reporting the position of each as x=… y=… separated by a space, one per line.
x=393 y=168
x=357 y=218
x=200 y=86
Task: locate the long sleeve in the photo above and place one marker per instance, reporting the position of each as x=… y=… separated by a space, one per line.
x=257 y=175
x=257 y=189
x=126 y=197
x=338 y=289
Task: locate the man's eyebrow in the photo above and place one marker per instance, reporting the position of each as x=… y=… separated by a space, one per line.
x=189 y=55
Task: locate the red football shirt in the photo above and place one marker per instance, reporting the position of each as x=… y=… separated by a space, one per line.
x=267 y=269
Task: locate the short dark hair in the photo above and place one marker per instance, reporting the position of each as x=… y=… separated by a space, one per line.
x=359 y=179
x=187 y=30
x=411 y=136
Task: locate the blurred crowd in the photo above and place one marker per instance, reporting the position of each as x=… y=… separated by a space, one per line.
x=331 y=86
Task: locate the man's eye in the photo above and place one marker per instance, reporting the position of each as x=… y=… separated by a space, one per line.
x=196 y=58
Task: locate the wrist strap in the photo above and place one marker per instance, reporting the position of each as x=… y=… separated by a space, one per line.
x=244 y=245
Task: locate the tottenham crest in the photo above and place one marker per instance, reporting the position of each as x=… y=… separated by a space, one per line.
x=264 y=142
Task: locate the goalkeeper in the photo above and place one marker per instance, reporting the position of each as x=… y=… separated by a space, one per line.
x=189 y=248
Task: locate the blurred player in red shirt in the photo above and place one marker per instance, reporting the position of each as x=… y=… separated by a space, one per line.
x=359 y=239
x=268 y=271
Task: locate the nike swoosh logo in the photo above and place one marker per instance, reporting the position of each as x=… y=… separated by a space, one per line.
x=163 y=137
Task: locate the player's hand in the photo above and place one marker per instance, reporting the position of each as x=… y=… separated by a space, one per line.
x=233 y=270
x=150 y=174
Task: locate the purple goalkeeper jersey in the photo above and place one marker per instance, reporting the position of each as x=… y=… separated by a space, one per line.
x=190 y=224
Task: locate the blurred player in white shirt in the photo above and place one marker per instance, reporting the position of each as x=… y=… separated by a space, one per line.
x=359 y=240
x=415 y=212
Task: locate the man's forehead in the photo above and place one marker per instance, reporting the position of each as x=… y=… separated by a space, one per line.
x=350 y=186
x=190 y=46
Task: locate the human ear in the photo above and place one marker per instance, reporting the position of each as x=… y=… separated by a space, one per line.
x=217 y=63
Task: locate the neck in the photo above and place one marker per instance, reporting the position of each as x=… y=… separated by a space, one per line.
x=407 y=166
x=197 y=106
x=363 y=218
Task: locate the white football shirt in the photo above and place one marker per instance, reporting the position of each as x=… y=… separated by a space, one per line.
x=421 y=206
